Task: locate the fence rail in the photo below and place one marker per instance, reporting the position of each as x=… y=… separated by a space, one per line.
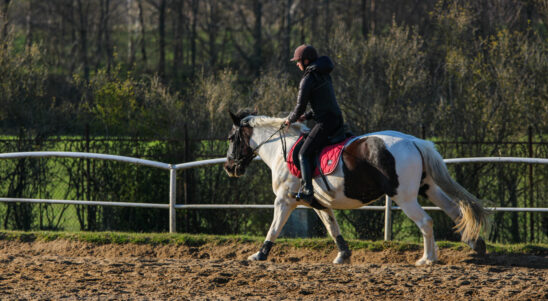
x=173 y=206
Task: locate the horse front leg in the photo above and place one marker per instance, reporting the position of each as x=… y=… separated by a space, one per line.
x=282 y=209
x=328 y=219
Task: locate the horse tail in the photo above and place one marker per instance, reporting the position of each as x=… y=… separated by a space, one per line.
x=472 y=214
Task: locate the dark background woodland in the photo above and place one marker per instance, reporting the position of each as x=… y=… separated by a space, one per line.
x=154 y=79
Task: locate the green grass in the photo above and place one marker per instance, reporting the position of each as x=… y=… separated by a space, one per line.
x=196 y=240
x=101 y=238
x=525 y=248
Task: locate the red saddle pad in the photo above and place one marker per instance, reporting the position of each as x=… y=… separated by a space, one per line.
x=329 y=158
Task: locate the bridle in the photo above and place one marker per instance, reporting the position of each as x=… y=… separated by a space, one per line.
x=245 y=159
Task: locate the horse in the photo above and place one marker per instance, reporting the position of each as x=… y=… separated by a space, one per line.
x=371 y=166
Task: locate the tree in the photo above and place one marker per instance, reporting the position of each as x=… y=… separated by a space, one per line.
x=83 y=13
x=254 y=60
x=5 y=19
x=193 y=35
x=143 y=37
x=179 y=7
x=161 y=8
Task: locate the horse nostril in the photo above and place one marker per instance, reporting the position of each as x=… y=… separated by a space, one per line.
x=239 y=170
x=229 y=168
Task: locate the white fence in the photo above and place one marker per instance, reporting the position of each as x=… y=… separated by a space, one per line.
x=173 y=206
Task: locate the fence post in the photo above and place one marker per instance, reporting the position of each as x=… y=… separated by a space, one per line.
x=531 y=199
x=388 y=219
x=172 y=198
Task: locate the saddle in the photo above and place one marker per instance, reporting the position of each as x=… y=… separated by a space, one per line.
x=326 y=160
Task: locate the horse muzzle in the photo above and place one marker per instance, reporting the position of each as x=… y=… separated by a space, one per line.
x=234 y=170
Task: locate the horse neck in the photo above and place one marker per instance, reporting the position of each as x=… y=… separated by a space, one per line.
x=271 y=152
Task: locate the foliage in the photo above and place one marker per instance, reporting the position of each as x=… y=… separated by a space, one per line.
x=381 y=82
x=22 y=78
x=121 y=104
x=490 y=80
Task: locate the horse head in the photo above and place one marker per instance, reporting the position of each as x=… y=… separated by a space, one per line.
x=240 y=153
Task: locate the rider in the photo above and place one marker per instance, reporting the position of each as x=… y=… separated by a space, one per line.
x=316 y=88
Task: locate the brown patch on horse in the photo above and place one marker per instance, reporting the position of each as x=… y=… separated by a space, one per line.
x=369 y=170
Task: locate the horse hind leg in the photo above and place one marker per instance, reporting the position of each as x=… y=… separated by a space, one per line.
x=328 y=219
x=414 y=211
x=435 y=194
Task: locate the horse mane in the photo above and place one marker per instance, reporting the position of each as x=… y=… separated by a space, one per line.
x=275 y=122
x=271 y=122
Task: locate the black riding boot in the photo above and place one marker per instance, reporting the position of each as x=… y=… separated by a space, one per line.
x=306 y=193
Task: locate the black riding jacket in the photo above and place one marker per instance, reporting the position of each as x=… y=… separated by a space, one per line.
x=316 y=88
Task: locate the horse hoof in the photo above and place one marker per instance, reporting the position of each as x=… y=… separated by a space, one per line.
x=480 y=247
x=341 y=260
x=257 y=257
x=343 y=257
x=424 y=262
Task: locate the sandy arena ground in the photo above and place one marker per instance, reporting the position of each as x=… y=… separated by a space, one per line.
x=74 y=270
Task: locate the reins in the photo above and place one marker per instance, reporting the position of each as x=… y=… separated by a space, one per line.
x=249 y=157
x=282 y=140
x=284 y=151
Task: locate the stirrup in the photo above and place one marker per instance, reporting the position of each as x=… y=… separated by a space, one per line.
x=305 y=197
x=309 y=198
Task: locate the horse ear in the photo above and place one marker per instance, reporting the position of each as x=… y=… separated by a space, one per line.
x=245 y=121
x=255 y=110
x=235 y=118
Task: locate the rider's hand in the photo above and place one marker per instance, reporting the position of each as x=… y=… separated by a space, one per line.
x=302 y=118
x=287 y=122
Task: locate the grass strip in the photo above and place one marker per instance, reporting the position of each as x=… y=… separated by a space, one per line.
x=196 y=240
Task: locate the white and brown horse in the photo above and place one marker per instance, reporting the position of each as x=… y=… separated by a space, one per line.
x=384 y=163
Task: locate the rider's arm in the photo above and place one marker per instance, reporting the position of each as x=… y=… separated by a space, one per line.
x=302 y=99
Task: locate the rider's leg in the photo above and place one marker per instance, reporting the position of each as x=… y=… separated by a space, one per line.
x=317 y=138
x=307 y=190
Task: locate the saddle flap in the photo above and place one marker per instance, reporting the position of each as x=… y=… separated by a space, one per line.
x=328 y=158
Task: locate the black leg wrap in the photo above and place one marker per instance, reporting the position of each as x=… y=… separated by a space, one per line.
x=343 y=246
x=265 y=249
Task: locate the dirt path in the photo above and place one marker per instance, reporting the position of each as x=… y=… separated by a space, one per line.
x=75 y=270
